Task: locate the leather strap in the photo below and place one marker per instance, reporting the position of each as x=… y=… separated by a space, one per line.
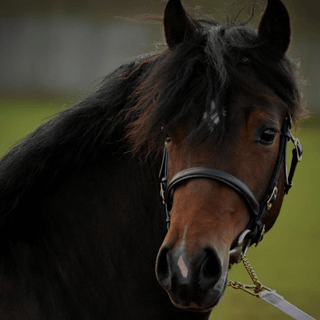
x=296 y=157
x=214 y=174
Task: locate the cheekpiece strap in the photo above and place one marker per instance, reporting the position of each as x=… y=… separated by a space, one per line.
x=296 y=158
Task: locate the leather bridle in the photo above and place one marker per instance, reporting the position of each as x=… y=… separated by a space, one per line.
x=255 y=229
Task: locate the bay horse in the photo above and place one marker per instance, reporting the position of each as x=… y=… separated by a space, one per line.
x=83 y=227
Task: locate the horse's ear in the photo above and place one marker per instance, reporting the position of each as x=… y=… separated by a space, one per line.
x=275 y=26
x=178 y=25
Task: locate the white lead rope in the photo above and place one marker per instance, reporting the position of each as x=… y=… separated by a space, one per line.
x=279 y=302
x=260 y=291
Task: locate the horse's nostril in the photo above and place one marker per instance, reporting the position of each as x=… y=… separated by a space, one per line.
x=162 y=268
x=211 y=269
x=203 y=273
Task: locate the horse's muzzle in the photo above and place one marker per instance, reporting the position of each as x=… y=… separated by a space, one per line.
x=196 y=283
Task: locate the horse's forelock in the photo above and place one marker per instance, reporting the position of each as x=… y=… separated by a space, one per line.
x=202 y=69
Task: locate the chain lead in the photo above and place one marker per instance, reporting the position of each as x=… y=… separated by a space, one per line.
x=254 y=289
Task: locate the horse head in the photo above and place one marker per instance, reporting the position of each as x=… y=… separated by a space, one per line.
x=231 y=96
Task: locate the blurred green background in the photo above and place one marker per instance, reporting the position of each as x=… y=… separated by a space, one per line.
x=53 y=53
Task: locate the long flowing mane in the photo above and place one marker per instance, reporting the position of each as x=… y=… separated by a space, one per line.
x=91 y=129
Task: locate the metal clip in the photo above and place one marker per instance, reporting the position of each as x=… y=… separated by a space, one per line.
x=298 y=148
x=253 y=289
x=239 y=249
x=163 y=187
x=263 y=231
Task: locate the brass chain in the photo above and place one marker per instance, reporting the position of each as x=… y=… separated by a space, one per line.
x=254 y=289
x=250 y=270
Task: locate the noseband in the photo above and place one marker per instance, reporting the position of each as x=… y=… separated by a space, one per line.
x=255 y=229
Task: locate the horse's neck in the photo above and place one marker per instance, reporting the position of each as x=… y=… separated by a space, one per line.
x=99 y=230
x=114 y=193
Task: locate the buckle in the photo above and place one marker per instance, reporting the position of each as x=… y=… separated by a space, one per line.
x=272 y=198
x=163 y=187
x=298 y=148
x=263 y=232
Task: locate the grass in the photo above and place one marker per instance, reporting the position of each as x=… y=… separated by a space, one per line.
x=287 y=260
x=20 y=116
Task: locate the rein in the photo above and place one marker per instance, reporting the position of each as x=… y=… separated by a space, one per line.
x=255 y=229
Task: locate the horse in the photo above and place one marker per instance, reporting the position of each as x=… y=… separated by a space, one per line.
x=85 y=233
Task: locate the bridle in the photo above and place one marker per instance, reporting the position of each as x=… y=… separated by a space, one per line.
x=255 y=229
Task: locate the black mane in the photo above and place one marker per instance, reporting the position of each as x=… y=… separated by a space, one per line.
x=77 y=136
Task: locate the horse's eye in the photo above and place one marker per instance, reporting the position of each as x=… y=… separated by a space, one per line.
x=268 y=136
x=168 y=139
